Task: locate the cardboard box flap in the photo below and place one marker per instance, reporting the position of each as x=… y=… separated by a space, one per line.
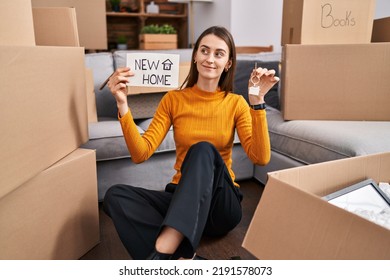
x=323 y=178
x=56 y=27
x=16 y=23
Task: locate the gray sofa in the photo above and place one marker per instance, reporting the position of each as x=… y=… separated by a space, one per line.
x=293 y=143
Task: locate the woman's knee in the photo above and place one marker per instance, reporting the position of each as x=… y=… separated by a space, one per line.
x=203 y=150
x=112 y=193
x=113 y=196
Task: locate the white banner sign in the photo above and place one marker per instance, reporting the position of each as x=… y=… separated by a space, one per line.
x=154 y=69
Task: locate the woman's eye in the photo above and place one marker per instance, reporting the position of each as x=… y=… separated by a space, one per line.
x=204 y=51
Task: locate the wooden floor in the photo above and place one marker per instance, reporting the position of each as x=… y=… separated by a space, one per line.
x=222 y=248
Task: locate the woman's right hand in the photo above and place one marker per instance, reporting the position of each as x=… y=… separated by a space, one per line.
x=117 y=85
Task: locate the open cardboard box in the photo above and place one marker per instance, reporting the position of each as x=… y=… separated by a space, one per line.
x=327 y=21
x=55 y=214
x=336 y=82
x=292 y=221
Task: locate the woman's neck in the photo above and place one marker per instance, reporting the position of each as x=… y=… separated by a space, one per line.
x=207 y=85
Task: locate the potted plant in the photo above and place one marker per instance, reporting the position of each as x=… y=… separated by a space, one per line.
x=155 y=37
x=121 y=42
x=115 y=5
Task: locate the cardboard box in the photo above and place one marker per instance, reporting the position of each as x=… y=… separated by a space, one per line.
x=336 y=82
x=43 y=109
x=327 y=22
x=55 y=27
x=16 y=23
x=157 y=41
x=292 y=221
x=91 y=98
x=381 y=30
x=184 y=69
x=55 y=214
x=91 y=20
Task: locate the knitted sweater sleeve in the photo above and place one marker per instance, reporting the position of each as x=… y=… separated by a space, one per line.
x=252 y=129
x=142 y=146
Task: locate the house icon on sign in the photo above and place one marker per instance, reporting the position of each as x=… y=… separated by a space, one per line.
x=167 y=64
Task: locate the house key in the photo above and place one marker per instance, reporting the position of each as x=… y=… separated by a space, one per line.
x=255 y=88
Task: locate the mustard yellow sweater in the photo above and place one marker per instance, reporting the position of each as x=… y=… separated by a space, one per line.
x=196 y=116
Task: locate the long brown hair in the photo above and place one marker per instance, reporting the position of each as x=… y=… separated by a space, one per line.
x=227 y=77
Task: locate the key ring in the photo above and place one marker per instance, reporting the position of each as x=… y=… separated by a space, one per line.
x=255 y=76
x=255 y=80
x=252 y=80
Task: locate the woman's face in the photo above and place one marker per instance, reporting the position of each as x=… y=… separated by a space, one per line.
x=212 y=57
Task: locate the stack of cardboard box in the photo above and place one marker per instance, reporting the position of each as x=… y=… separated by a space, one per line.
x=48 y=188
x=331 y=71
x=58 y=26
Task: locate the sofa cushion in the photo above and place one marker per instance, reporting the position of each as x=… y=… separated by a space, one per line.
x=317 y=141
x=168 y=144
x=107 y=139
x=102 y=66
x=144 y=105
x=106 y=127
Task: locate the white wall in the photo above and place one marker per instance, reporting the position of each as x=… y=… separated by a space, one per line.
x=206 y=14
x=257 y=22
x=253 y=22
x=382 y=9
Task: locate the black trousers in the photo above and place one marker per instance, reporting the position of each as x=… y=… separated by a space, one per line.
x=205 y=201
